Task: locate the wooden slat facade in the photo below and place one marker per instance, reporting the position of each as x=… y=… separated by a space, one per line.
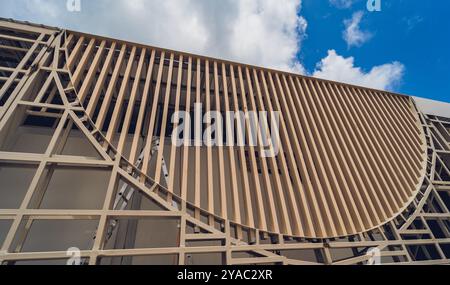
x=351 y=158
x=355 y=163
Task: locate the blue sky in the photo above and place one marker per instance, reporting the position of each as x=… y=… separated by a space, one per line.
x=413 y=32
x=404 y=47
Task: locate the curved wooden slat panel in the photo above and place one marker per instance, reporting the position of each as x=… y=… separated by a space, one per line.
x=350 y=160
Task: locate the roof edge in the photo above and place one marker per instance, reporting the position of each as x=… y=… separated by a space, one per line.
x=26 y=23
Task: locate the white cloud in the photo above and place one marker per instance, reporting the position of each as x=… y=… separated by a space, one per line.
x=337 y=68
x=353 y=34
x=42 y=7
x=262 y=32
x=267 y=32
x=342 y=4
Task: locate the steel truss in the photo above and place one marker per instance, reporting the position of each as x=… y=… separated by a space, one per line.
x=420 y=235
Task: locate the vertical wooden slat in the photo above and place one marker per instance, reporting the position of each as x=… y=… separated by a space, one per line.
x=262 y=224
x=79 y=72
x=198 y=135
x=101 y=81
x=159 y=157
x=412 y=164
x=68 y=41
x=322 y=158
x=140 y=120
x=210 y=173
x=374 y=179
x=306 y=163
x=283 y=96
x=111 y=87
x=357 y=160
x=391 y=134
x=314 y=163
x=91 y=73
x=407 y=115
x=375 y=153
x=330 y=159
x=75 y=53
x=389 y=161
x=151 y=126
x=406 y=104
x=343 y=156
x=173 y=149
x=406 y=136
x=187 y=135
x=284 y=216
x=231 y=151
x=273 y=215
x=220 y=140
x=131 y=102
x=248 y=208
x=117 y=113
x=290 y=173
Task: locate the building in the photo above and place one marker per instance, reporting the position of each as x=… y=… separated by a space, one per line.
x=87 y=161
